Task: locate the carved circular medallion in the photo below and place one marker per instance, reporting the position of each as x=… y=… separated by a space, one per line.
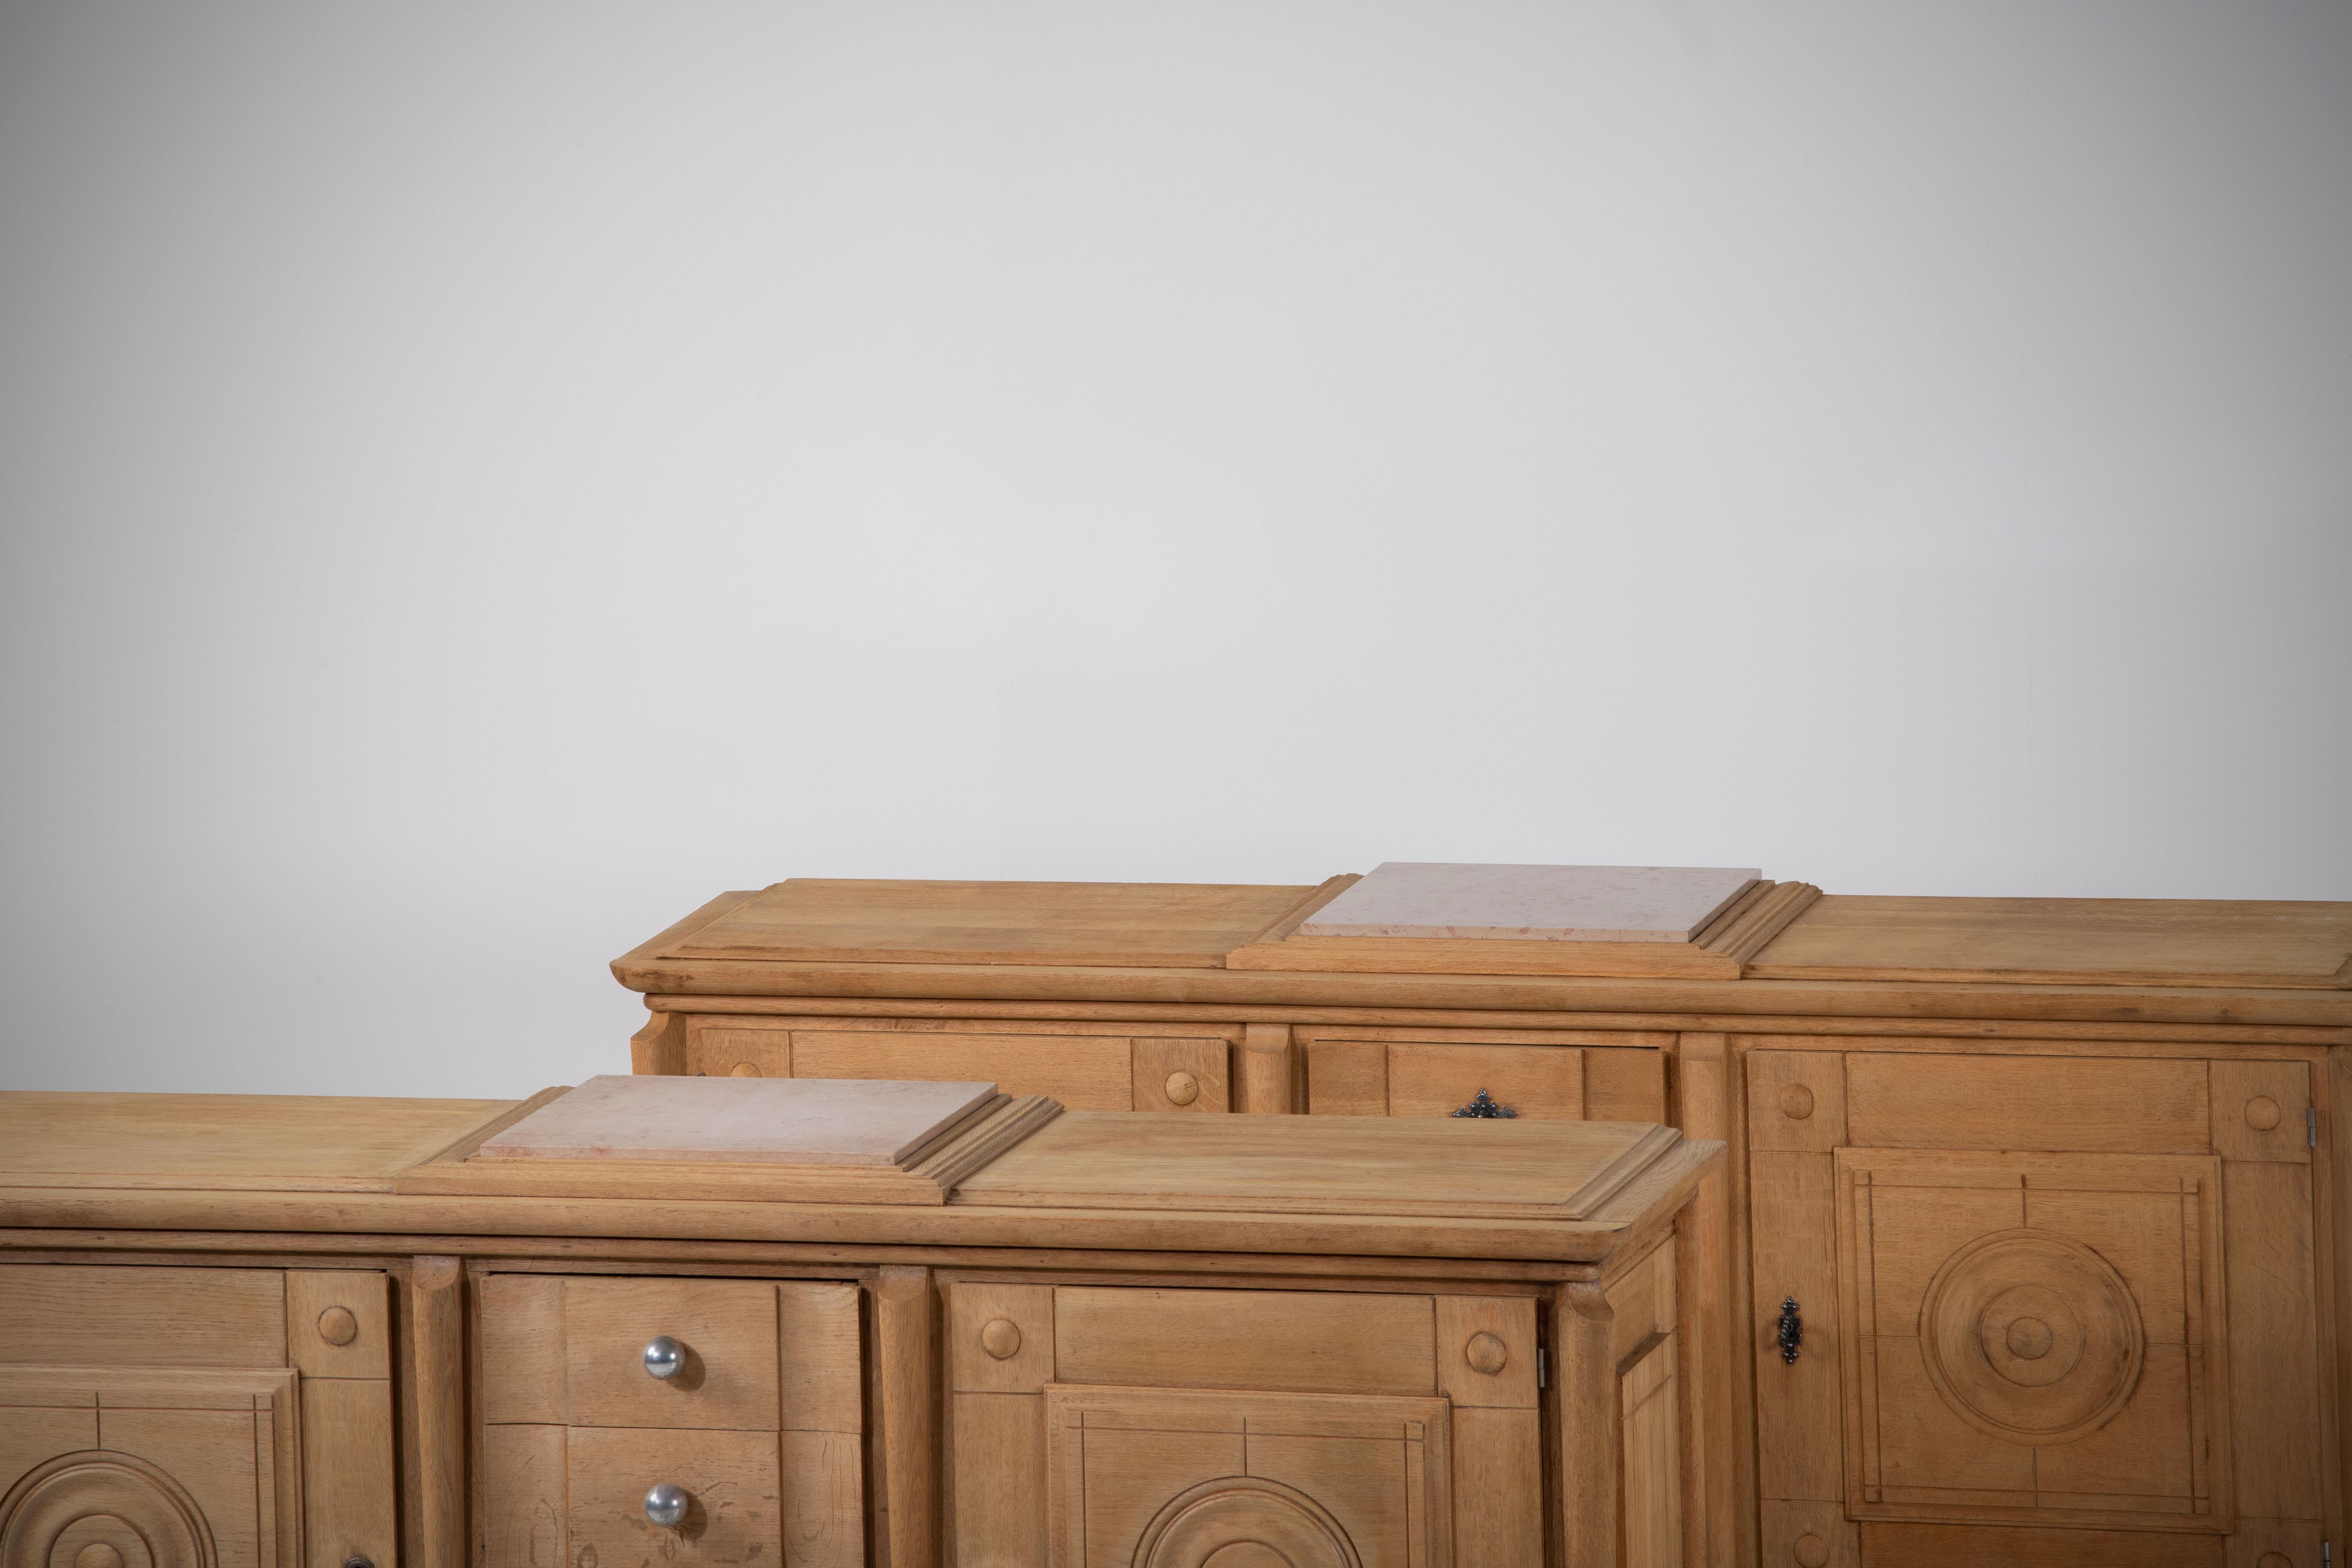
x=2032 y=1337
x=1183 y=1088
x=1001 y=1337
x=2261 y=1113
x=1486 y=1353
x=96 y=1509
x=1796 y=1102
x=337 y=1326
x=1245 y=1522
x=1811 y=1551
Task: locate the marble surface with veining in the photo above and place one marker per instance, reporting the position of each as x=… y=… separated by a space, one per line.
x=1532 y=903
x=753 y=1121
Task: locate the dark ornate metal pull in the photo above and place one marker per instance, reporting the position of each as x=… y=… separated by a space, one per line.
x=1485 y=1106
x=1792 y=1330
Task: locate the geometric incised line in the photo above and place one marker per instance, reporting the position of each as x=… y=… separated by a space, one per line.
x=1245 y=1522
x=2032 y=1337
x=96 y=1509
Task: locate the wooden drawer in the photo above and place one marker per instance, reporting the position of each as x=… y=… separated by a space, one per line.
x=761 y=1426
x=1086 y=1067
x=1547 y=1075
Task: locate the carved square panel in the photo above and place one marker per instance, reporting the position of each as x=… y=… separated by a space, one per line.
x=1152 y=1478
x=2035 y=1339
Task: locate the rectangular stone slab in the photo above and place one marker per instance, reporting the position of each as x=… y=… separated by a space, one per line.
x=743 y=1121
x=1532 y=903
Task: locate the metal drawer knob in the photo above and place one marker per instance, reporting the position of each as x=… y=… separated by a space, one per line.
x=666 y=1505
x=664 y=1357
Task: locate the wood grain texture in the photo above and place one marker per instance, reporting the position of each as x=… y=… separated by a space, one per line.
x=1267 y=1062
x=823 y=1478
x=735 y=1520
x=1509 y=1322
x=433 y=1412
x=973 y=1365
x=1085 y=1072
x=729 y=1329
x=1499 y=1487
x=905 y=1323
x=1185 y=925
x=2118 y=941
x=1320 y=1342
x=1966 y=1546
x=1177 y=1074
x=659 y=1046
x=323 y=1304
x=2090 y=1104
x=2260 y=1109
x=98 y=1316
x=225 y=1141
x=2274 y=1336
x=522 y=1365
x=524 y=1520
x=349 y=1507
x=999 y=1479
x=820 y=1358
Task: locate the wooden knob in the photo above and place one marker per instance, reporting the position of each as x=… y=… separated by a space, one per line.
x=337 y=1327
x=1001 y=1337
x=1796 y=1102
x=1183 y=1088
x=1486 y=1353
x=99 y=1554
x=744 y=1070
x=1811 y=1551
x=2261 y=1113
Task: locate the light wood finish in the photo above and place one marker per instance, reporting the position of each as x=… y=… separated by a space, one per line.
x=661 y=1045
x=228 y=1142
x=1267 y=1062
x=2261 y=1111
x=1184 y=925
x=820 y=1379
x=733 y=1520
x=1177 y=1074
x=1809 y=1535
x=1163 y=1478
x=338 y=1323
x=1563 y=1170
x=999 y=1479
x=1293 y=1341
x=783 y=1122
x=349 y=1507
x=522 y=1521
x=1542 y=1075
x=1961 y=1546
x=432 y=1402
x=2114 y=941
x=2091 y=1104
x=156 y=1463
x=142 y=1317
x=2035 y=1339
x=906 y=1320
x=729 y=1329
x=1000 y=1337
x=1085 y=1072
x=822 y=1477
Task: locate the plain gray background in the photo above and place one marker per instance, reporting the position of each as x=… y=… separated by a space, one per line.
x=478 y=479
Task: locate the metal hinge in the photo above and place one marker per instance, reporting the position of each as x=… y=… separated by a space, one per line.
x=1543 y=1370
x=2311 y=1138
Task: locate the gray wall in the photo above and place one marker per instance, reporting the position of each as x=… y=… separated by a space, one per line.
x=478 y=479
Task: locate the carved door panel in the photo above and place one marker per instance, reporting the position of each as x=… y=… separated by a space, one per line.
x=1178 y=1479
x=149 y=1468
x=2033 y=1339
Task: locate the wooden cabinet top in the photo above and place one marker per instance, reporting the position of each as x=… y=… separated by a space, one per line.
x=1560 y=1191
x=1789 y=950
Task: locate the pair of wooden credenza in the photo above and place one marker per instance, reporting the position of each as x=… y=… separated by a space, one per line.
x=2026 y=1248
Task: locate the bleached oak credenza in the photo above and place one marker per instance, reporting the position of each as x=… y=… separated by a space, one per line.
x=277 y=1332
x=2028 y=1242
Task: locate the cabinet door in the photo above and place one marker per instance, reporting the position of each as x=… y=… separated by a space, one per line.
x=2044 y=1306
x=1086 y=1067
x=195 y=1417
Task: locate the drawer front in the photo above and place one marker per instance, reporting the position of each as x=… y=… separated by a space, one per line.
x=1435 y=1073
x=1091 y=1068
x=69 y=1315
x=2120 y=1105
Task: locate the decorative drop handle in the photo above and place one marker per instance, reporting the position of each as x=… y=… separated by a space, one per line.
x=1485 y=1106
x=664 y=1357
x=1792 y=1330
x=666 y=1505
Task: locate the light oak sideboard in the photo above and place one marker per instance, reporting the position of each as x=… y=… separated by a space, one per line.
x=2028 y=1249
x=276 y=1333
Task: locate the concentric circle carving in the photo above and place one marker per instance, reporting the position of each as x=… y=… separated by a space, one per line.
x=97 y=1508
x=1245 y=1522
x=2032 y=1337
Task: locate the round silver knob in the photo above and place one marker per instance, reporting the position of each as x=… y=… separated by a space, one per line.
x=664 y=1356
x=666 y=1505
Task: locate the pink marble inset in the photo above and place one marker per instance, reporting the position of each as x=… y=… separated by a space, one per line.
x=747 y=1120
x=1532 y=903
